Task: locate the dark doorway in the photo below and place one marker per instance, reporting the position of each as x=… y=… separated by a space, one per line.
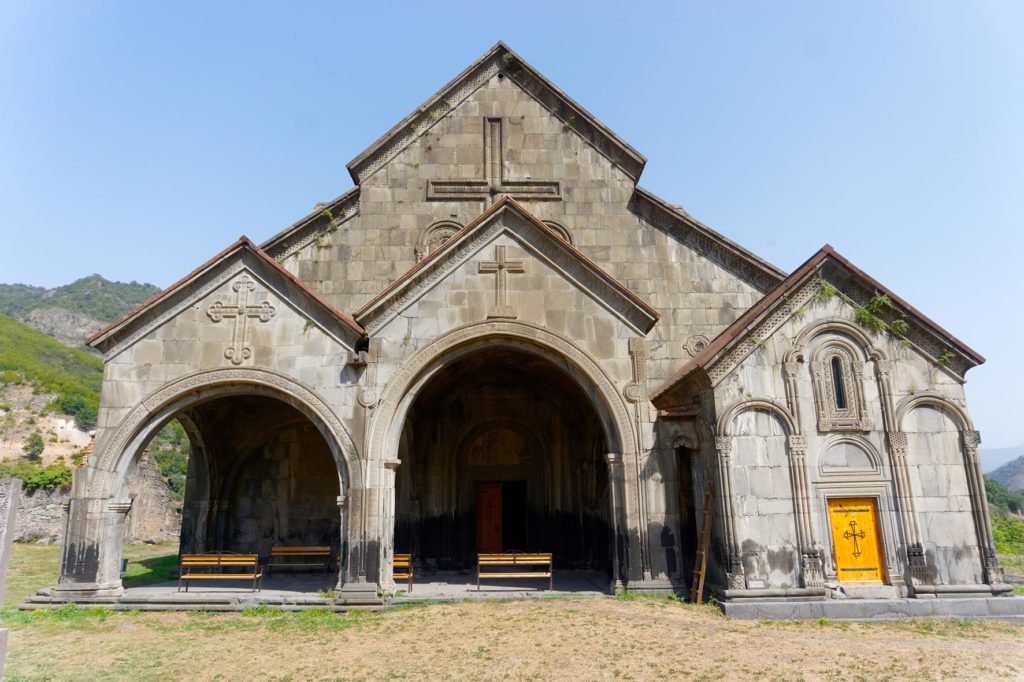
x=687 y=512
x=502 y=451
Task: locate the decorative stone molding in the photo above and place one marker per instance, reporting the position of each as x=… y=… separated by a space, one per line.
x=724 y=366
x=113 y=457
x=119 y=506
x=435 y=236
x=367 y=395
x=839 y=389
x=993 y=570
x=314 y=226
x=813 y=571
x=639 y=354
x=560 y=230
x=919 y=572
x=412 y=371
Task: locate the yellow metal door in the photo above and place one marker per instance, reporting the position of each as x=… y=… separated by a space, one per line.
x=855 y=538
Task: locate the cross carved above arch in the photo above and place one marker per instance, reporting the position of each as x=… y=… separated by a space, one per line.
x=493 y=185
x=501 y=267
x=240 y=350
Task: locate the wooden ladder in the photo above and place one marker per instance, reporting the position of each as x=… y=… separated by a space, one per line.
x=700 y=563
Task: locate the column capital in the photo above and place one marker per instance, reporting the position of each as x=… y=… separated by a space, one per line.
x=724 y=445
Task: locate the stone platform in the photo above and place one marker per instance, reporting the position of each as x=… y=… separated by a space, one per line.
x=1001 y=608
x=298 y=592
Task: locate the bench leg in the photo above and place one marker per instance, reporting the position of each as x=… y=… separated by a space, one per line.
x=410 y=580
x=551 y=582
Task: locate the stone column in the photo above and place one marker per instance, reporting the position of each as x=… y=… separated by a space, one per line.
x=620 y=540
x=908 y=515
x=979 y=507
x=734 y=562
x=91 y=562
x=360 y=582
x=812 y=572
x=342 y=501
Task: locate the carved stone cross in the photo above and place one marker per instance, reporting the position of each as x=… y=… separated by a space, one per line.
x=501 y=267
x=493 y=184
x=240 y=350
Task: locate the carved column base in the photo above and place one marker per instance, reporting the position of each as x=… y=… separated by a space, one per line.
x=737 y=581
x=813 y=572
x=357 y=594
x=919 y=574
x=993 y=571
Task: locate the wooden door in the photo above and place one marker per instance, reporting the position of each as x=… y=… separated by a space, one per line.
x=856 y=539
x=488 y=518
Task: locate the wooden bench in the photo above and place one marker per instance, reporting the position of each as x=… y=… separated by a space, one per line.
x=220 y=567
x=401 y=568
x=514 y=565
x=316 y=557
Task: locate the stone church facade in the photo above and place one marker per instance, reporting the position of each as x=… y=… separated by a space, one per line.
x=497 y=317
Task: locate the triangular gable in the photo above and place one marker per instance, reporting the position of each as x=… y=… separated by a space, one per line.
x=499 y=59
x=508 y=216
x=196 y=284
x=740 y=339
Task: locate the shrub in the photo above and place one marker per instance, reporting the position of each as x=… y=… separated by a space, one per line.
x=34 y=446
x=35 y=476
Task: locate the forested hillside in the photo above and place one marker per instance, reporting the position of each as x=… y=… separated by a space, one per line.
x=92 y=296
x=73 y=376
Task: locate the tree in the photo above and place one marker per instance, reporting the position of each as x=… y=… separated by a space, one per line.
x=34 y=446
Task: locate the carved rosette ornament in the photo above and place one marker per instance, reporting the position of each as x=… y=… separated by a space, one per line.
x=696 y=343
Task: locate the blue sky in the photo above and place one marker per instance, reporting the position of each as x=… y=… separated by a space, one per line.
x=137 y=140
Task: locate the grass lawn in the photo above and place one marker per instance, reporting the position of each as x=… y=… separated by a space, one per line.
x=562 y=638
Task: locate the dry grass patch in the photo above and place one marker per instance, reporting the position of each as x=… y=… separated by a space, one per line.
x=594 y=638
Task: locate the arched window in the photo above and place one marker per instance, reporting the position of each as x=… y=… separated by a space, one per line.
x=838 y=389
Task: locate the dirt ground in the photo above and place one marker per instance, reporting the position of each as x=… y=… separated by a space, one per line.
x=595 y=638
x=643 y=638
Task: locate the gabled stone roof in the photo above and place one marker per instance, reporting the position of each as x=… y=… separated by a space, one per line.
x=124 y=330
x=736 y=341
x=728 y=254
x=324 y=218
x=626 y=305
x=499 y=59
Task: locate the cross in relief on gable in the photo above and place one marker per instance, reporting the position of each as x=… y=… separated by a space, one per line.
x=493 y=185
x=240 y=349
x=501 y=266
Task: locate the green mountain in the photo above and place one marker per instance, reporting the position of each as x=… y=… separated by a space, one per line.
x=1010 y=475
x=92 y=296
x=28 y=356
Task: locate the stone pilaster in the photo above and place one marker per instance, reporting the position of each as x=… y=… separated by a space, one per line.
x=734 y=562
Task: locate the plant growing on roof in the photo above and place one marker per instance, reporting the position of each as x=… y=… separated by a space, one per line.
x=946 y=357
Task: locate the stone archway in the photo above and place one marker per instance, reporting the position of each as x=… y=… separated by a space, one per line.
x=599 y=390
x=92 y=548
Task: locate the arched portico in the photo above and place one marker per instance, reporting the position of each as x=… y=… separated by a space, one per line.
x=99 y=503
x=593 y=383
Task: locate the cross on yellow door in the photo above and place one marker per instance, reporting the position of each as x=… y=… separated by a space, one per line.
x=855 y=539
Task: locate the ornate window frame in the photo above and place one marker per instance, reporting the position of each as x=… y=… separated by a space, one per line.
x=853 y=416
x=434 y=236
x=560 y=230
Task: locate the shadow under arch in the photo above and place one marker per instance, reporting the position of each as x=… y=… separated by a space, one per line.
x=600 y=391
x=119 y=453
x=403 y=388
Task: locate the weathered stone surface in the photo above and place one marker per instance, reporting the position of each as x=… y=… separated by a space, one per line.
x=518 y=300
